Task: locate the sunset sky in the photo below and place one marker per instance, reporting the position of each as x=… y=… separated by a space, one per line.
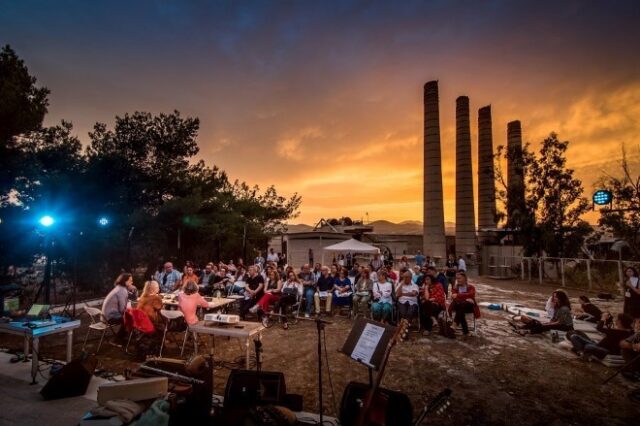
x=324 y=98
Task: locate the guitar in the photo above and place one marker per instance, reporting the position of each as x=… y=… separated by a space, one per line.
x=440 y=403
x=375 y=414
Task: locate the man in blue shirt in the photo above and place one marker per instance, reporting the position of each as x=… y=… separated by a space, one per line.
x=419 y=259
x=168 y=278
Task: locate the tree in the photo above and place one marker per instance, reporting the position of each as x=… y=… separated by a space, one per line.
x=551 y=223
x=624 y=219
x=22 y=109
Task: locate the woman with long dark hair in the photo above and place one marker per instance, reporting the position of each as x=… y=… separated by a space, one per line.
x=562 y=319
x=115 y=303
x=632 y=292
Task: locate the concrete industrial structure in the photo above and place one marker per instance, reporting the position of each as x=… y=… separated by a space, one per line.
x=515 y=174
x=486 y=178
x=465 y=212
x=434 y=242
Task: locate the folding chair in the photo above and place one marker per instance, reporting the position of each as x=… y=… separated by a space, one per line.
x=195 y=341
x=169 y=316
x=97 y=324
x=138 y=321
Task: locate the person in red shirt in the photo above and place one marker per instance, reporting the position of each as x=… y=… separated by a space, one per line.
x=463 y=301
x=433 y=301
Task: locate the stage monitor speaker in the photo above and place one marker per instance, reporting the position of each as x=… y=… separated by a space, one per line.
x=246 y=388
x=72 y=380
x=399 y=408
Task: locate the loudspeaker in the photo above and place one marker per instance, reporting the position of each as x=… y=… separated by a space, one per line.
x=246 y=388
x=399 y=410
x=72 y=380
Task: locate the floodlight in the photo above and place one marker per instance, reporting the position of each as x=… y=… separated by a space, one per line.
x=602 y=197
x=46 y=221
x=103 y=221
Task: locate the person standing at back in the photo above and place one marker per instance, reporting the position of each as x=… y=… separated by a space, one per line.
x=273 y=256
x=420 y=259
x=451 y=267
x=462 y=265
x=632 y=293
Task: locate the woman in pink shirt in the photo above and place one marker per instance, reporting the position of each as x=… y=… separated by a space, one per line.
x=189 y=300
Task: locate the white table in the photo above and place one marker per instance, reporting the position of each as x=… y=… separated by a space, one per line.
x=243 y=330
x=214 y=302
x=19 y=329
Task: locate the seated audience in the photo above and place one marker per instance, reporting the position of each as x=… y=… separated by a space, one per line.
x=630 y=349
x=238 y=283
x=150 y=302
x=208 y=277
x=362 y=293
x=308 y=280
x=463 y=301
x=407 y=294
x=189 y=300
x=189 y=275
x=562 y=319
x=252 y=292
x=382 y=306
x=115 y=303
x=440 y=278
x=610 y=343
x=324 y=287
x=591 y=312
x=168 y=278
x=631 y=289
x=271 y=295
x=342 y=291
x=433 y=302
x=291 y=292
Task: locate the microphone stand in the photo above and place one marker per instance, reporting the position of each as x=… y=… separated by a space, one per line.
x=320 y=323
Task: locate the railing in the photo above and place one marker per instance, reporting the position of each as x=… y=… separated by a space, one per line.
x=567 y=272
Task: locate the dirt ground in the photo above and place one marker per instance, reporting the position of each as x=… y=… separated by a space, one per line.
x=497 y=377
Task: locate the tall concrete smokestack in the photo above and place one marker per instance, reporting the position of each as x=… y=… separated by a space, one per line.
x=433 y=207
x=515 y=175
x=465 y=214
x=486 y=182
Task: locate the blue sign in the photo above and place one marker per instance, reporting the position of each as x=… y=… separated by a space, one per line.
x=602 y=197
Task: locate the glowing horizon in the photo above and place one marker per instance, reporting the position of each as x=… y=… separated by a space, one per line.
x=325 y=99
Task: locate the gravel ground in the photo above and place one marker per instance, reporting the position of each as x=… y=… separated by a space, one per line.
x=497 y=377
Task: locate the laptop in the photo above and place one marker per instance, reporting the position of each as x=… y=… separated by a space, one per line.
x=37 y=312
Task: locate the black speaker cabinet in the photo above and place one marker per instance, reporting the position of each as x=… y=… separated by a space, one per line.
x=246 y=388
x=399 y=409
x=72 y=380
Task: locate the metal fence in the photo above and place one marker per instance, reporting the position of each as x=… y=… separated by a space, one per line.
x=589 y=274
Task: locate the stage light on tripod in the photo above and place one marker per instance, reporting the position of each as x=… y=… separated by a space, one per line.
x=103 y=221
x=46 y=221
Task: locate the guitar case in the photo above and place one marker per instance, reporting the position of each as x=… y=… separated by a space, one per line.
x=399 y=409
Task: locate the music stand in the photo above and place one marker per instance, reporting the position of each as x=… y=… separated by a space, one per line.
x=367 y=343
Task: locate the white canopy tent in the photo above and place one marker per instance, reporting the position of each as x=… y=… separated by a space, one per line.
x=351 y=246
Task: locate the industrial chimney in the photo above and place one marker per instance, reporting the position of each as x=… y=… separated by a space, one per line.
x=486 y=178
x=465 y=214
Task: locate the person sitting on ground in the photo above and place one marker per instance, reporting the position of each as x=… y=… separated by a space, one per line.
x=382 y=306
x=324 y=286
x=252 y=292
x=342 y=291
x=591 y=312
x=610 y=343
x=562 y=319
x=150 y=302
x=115 y=304
x=271 y=296
x=407 y=294
x=463 y=301
x=433 y=302
x=189 y=300
x=308 y=281
x=632 y=292
x=630 y=349
x=362 y=293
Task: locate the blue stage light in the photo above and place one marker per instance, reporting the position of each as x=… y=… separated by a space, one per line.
x=103 y=221
x=47 y=221
x=602 y=197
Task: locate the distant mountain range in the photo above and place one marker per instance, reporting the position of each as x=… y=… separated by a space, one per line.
x=407 y=227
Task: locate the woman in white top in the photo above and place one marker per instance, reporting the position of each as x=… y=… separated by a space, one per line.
x=382 y=306
x=407 y=294
x=632 y=293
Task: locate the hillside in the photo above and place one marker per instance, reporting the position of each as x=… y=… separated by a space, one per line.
x=408 y=227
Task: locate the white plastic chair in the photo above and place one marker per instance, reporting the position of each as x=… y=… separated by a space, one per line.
x=170 y=316
x=97 y=324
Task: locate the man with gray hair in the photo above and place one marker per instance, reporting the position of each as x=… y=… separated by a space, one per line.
x=168 y=278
